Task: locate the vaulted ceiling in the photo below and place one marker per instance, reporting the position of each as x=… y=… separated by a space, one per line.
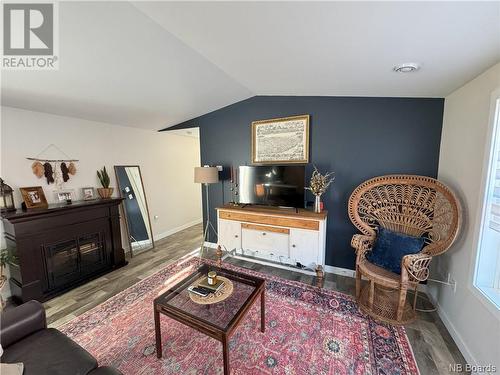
x=155 y=64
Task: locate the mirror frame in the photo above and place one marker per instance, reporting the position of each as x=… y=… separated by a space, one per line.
x=124 y=210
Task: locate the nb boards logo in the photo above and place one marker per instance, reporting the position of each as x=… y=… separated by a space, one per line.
x=30 y=40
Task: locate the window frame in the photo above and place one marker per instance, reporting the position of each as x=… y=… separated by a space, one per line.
x=481 y=215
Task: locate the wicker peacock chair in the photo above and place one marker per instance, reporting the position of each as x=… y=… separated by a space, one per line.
x=414 y=205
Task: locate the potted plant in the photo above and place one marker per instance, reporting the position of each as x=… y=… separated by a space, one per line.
x=105 y=191
x=318 y=185
x=5 y=258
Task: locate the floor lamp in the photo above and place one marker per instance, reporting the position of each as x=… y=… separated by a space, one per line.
x=206 y=176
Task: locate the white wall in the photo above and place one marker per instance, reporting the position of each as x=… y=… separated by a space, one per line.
x=166 y=161
x=472 y=321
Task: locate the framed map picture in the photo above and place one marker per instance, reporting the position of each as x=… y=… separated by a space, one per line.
x=281 y=140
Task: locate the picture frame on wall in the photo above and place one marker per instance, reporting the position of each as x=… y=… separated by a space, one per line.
x=281 y=140
x=88 y=193
x=34 y=197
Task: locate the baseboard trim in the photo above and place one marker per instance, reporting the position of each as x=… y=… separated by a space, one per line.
x=340 y=271
x=453 y=332
x=167 y=233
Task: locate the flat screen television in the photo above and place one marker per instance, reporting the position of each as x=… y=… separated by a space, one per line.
x=272 y=185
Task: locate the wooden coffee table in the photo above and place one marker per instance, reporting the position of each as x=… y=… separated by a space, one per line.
x=218 y=320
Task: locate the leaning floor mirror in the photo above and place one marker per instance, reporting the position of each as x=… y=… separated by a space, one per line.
x=135 y=208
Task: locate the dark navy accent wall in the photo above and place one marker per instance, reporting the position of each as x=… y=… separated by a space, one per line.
x=356 y=137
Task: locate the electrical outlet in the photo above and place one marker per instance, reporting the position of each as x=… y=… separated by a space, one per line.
x=452 y=282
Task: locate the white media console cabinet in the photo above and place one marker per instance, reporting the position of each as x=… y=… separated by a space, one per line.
x=275 y=236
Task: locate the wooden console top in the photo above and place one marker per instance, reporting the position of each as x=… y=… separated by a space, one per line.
x=275 y=211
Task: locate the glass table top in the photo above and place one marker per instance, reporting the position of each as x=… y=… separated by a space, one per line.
x=220 y=314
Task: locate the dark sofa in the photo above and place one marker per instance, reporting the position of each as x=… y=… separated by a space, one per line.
x=25 y=338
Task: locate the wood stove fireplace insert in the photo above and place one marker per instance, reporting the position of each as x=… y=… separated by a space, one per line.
x=63 y=246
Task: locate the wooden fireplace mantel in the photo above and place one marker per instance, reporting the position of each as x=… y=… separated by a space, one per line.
x=62 y=246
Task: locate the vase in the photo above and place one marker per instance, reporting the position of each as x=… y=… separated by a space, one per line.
x=317 y=204
x=105 y=193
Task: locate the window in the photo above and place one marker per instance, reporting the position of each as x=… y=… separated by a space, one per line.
x=487 y=273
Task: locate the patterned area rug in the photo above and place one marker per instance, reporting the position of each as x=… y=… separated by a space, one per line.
x=308 y=331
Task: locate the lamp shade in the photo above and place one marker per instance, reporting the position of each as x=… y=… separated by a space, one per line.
x=206 y=175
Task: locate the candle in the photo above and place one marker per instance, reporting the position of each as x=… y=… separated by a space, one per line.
x=212 y=278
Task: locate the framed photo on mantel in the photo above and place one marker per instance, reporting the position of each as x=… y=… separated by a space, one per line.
x=281 y=140
x=34 y=197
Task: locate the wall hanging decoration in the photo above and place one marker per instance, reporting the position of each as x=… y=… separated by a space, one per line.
x=281 y=140
x=71 y=169
x=64 y=171
x=56 y=170
x=38 y=169
x=49 y=174
x=34 y=197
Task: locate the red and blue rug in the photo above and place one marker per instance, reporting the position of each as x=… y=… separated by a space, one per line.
x=309 y=330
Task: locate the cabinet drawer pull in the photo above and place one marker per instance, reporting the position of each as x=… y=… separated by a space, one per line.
x=263 y=233
x=293 y=245
x=235 y=236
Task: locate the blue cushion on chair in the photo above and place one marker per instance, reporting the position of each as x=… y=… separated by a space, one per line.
x=390 y=248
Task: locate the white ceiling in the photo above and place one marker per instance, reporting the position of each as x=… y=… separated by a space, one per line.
x=155 y=64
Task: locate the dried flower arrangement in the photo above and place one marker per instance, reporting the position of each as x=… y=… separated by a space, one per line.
x=319 y=182
x=318 y=185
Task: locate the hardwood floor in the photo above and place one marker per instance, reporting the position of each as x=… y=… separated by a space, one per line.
x=433 y=346
x=75 y=302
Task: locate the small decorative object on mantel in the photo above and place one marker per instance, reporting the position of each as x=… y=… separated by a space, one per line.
x=6 y=197
x=318 y=185
x=88 y=193
x=55 y=170
x=67 y=195
x=105 y=191
x=34 y=197
x=281 y=140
